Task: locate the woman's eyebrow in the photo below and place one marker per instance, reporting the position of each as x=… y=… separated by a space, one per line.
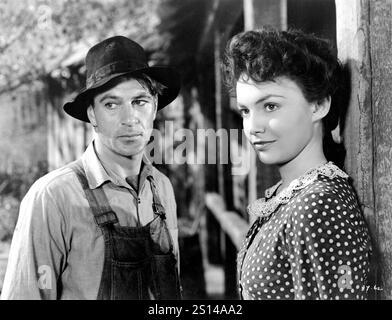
x=240 y=105
x=268 y=96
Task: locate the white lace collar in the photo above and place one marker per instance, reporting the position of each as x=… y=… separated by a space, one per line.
x=264 y=207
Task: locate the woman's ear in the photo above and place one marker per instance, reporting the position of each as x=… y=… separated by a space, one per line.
x=91 y=115
x=321 y=108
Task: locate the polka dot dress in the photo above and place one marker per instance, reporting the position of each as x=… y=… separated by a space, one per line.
x=316 y=246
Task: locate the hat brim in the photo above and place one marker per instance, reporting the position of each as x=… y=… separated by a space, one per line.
x=167 y=76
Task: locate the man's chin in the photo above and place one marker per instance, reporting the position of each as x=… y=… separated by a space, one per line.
x=127 y=152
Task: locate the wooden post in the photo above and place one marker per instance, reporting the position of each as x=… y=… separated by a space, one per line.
x=364 y=46
x=257 y=14
x=267 y=12
x=229 y=252
x=381 y=64
x=206 y=89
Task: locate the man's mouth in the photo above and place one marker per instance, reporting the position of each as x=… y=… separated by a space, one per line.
x=131 y=134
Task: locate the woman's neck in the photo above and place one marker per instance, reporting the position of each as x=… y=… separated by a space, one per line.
x=122 y=166
x=310 y=157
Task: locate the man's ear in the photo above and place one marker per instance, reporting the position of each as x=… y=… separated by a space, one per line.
x=91 y=115
x=156 y=109
x=321 y=108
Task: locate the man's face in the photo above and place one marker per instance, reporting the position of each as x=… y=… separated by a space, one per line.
x=123 y=117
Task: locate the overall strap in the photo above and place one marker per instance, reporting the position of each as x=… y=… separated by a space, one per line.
x=156 y=201
x=99 y=204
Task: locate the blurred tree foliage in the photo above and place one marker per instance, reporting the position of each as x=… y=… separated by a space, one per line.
x=13 y=187
x=40 y=37
x=42 y=40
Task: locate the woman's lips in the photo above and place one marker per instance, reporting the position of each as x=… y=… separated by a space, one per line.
x=261 y=145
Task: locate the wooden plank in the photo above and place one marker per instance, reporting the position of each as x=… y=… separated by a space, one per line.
x=267 y=12
x=67 y=138
x=256 y=15
x=357 y=128
x=231 y=222
x=364 y=31
x=380 y=15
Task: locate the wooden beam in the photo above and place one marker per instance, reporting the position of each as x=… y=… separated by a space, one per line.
x=256 y=15
x=381 y=66
x=364 y=45
x=267 y=12
x=231 y=222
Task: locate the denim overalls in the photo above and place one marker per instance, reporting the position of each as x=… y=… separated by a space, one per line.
x=139 y=261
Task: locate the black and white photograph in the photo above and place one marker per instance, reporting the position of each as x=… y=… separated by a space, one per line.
x=209 y=151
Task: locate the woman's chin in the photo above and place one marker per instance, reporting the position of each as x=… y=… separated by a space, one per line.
x=267 y=159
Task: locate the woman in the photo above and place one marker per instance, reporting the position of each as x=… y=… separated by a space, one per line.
x=309 y=240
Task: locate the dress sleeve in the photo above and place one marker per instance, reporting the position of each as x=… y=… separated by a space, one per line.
x=38 y=249
x=327 y=248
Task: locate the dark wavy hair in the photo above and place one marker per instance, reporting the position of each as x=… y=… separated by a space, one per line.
x=265 y=54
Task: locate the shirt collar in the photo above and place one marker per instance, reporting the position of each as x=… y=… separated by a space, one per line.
x=96 y=174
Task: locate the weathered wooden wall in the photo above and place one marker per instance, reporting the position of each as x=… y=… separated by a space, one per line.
x=67 y=137
x=381 y=95
x=364 y=30
x=22 y=129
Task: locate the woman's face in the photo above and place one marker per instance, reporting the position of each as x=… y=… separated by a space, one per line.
x=278 y=120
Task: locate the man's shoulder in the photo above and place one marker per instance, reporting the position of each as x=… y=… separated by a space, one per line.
x=54 y=180
x=164 y=185
x=159 y=176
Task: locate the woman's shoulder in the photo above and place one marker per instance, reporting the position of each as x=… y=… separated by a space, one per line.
x=322 y=189
x=325 y=199
x=333 y=189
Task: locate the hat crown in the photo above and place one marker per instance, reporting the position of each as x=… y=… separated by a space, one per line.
x=114 y=50
x=115 y=57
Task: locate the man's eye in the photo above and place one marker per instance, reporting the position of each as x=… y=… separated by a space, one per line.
x=110 y=105
x=140 y=103
x=270 y=107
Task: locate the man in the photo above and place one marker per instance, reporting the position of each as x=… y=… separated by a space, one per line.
x=104 y=226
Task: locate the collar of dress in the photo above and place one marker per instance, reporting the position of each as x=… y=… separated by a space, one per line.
x=264 y=207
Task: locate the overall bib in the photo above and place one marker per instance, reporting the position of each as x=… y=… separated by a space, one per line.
x=139 y=261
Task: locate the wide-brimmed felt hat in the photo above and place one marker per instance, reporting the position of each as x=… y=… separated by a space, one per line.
x=115 y=57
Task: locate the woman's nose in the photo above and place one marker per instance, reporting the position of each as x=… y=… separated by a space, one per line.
x=256 y=125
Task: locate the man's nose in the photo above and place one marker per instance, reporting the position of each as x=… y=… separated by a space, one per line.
x=129 y=116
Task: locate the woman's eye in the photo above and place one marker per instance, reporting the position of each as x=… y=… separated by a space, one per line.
x=243 y=112
x=270 y=107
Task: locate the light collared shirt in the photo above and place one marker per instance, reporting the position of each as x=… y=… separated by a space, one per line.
x=57 y=251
